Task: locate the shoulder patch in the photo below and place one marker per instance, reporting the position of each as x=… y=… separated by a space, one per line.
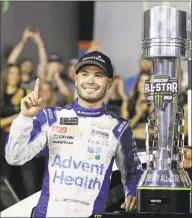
x=51 y=115
x=120 y=127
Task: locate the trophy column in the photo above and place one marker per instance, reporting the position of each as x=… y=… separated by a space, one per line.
x=165 y=186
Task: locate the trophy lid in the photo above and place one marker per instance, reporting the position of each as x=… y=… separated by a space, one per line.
x=166 y=32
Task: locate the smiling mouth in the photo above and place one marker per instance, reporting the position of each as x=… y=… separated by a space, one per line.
x=87 y=88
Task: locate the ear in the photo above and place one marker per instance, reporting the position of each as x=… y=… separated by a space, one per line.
x=61 y=67
x=110 y=82
x=75 y=79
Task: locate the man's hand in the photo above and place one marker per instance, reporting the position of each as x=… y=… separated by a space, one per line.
x=32 y=104
x=129 y=204
x=94 y=45
x=36 y=37
x=26 y=34
x=57 y=75
x=141 y=107
x=187 y=158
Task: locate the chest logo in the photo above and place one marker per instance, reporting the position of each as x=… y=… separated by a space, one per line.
x=68 y=120
x=99 y=133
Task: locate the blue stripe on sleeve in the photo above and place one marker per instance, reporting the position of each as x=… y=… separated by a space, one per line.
x=38 y=122
x=132 y=164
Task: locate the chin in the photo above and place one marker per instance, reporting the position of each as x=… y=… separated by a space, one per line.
x=92 y=94
x=13 y=84
x=90 y=97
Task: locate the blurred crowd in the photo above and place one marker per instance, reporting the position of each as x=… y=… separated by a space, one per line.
x=125 y=98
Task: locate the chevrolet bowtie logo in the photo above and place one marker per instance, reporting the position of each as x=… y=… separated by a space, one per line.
x=97 y=216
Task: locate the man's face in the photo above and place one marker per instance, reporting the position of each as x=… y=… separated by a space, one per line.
x=145 y=65
x=54 y=67
x=71 y=72
x=26 y=67
x=141 y=83
x=92 y=83
x=13 y=76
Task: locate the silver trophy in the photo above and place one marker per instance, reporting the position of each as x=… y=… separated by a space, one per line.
x=166 y=42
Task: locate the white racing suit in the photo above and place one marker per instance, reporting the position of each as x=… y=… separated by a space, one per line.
x=82 y=145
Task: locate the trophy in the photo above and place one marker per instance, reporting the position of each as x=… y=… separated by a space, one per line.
x=165 y=186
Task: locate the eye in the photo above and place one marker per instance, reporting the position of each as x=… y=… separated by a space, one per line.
x=84 y=74
x=99 y=76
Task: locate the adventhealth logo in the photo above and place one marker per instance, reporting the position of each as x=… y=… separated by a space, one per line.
x=94 y=152
x=88 y=181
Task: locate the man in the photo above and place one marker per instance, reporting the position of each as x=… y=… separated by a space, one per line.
x=53 y=74
x=83 y=140
x=55 y=64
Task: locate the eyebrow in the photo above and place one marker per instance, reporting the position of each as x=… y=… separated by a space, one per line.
x=97 y=72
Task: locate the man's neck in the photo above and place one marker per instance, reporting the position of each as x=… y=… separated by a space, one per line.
x=86 y=104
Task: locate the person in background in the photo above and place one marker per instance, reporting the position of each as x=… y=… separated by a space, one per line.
x=188 y=160
x=11 y=96
x=145 y=67
x=139 y=110
x=47 y=94
x=116 y=98
x=28 y=73
x=53 y=74
x=69 y=76
x=55 y=64
x=183 y=102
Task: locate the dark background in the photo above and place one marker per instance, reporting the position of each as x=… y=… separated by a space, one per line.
x=61 y=24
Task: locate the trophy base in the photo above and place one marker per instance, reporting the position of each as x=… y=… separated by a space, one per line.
x=164 y=191
x=164 y=201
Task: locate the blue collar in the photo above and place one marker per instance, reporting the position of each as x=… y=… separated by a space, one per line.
x=88 y=112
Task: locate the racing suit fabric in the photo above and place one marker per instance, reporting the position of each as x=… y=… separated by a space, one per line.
x=82 y=145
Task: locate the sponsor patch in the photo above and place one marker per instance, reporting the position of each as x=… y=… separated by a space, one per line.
x=88 y=113
x=99 y=58
x=101 y=142
x=62 y=142
x=71 y=200
x=65 y=173
x=59 y=129
x=94 y=152
x=69 y=121
x=123 y=124
x=50 y=114
x=72 y=130
x=58 y=137
x=99 y=133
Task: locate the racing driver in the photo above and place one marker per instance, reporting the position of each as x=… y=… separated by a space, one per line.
x=83 y=140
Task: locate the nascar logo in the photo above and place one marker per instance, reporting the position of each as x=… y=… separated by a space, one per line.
x=161 y=89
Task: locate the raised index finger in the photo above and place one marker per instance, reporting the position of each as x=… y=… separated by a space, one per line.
x=37 y=86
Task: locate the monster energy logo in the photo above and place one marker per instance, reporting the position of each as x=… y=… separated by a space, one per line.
x=158 y=100
x=160 y=89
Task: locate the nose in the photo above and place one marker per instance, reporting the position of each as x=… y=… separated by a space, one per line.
x=90 y=79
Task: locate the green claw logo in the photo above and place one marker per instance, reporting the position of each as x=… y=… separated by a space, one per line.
x=158 y=101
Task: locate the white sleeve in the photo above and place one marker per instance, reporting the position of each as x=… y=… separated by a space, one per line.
x=26 y=139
